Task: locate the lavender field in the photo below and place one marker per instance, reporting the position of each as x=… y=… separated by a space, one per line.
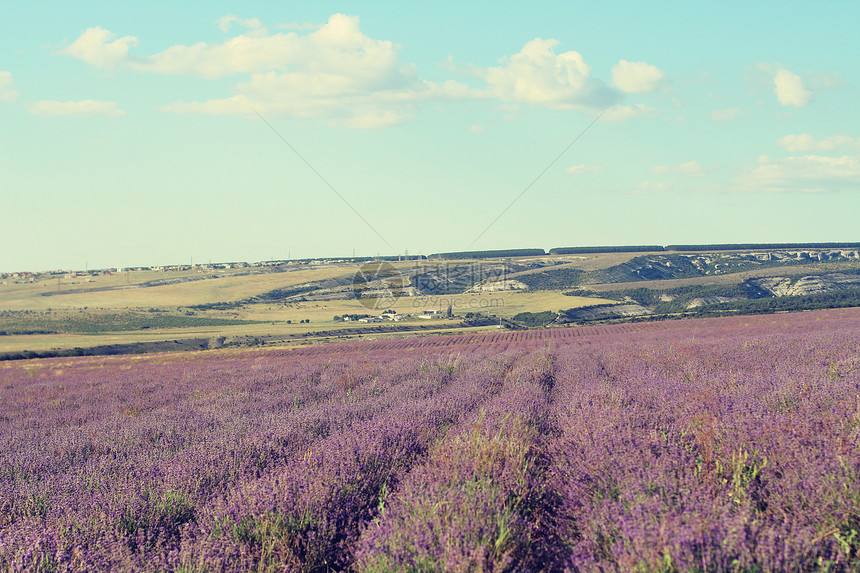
x=712 y=445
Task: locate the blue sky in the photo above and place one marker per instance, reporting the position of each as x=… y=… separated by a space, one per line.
x=135 y=134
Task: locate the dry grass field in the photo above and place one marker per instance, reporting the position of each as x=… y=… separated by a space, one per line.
x=125 y=290
x=105 y=298
x=150 y=307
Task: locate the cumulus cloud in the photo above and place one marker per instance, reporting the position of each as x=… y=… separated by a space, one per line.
x=580 y=169
x=806 y=173
x=692 y=168
x=335 y=73
x=97 y=47
x=246 y=53
x=636 y=77
x=224 y=22
x=298 y=26
x=7 y=93
x=339 y=99
x=790 y=89
x=804 y=142
x=623 y=112
x=477 y=129
x=358 y=112
x=336 y=53
x=84 y=107
x=538 y=75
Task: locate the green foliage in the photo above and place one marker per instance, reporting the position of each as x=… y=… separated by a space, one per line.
x=591 y=313
x=217 y=305
x=618 y=249
x=667 y=301
x=753 y=300
x=355 y=317
x=282 y=293
x=761 y=246
x=15 y=322
x=535 y=319
x=835 y=299
x=489 y=254
x=584 y=293
x=156 y=515
x=552 y=279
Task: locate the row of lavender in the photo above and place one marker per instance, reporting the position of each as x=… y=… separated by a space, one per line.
x=239 y=462
x=711 y=451
x=715 y=445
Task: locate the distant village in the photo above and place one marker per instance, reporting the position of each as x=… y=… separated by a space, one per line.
x=29 y=276
x=700 y=260
x=389 y=314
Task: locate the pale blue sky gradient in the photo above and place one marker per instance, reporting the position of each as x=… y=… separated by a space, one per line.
x=128 y=135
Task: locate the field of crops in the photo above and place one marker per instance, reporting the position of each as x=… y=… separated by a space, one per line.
x=712 y=445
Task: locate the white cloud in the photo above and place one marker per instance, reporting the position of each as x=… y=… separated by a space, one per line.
x=804 y=142
x=801 y=142
x=790 y=89
x=726 y=114
x=291 y=95
x=538 y=75
x=336 y=53
x=7 y=93
x=477 y=129
x=97 y=48
x=328 y=97
x=300 y=26
x=246 y=53
x=806 y=173
x=623 y=112
x=692 y=168
x=225 y=21
x=84 y=107
x=636 y=77
x=335 y=73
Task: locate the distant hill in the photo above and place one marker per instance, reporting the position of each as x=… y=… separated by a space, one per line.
x=504 y=253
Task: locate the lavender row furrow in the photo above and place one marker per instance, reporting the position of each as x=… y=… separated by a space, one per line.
x=679 y=453
x=472 y=506
x=713 y=445
x=137 y=485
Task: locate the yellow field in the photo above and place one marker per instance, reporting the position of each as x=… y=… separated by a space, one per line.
x=320 y=314
x=586 y=262
x=208 y=290
x=118 y=292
